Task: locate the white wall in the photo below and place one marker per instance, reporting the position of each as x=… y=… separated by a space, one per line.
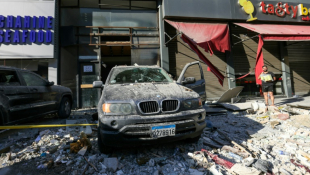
x=27 y=8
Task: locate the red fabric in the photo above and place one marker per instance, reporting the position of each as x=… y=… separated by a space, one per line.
x=210 y=36
x=275 y=29
x=259 y=60
x=218 y=160
x=213 y=69
x=286 y=38
x=244 y=76
x=296 y=164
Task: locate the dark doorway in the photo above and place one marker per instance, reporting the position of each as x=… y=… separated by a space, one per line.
x=112 y=56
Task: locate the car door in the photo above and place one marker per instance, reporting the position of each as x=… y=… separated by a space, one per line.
x=41 y=92
x=190 y=71
x=14 y=96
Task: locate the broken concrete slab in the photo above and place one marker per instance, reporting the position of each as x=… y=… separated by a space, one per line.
x=229 y=94
x=240 y=169
x=300 y=120
x=237 y=106
x=111 y=163
x=83 y=151
x=195 y=172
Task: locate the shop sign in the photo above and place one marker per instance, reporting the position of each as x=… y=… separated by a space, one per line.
x=248 y=8
x=282 y=9
x=20 y=29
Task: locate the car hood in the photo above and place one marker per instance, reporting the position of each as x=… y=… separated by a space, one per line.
x=147 y=91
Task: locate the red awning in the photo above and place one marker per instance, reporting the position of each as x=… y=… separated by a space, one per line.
x=213 y=69
x=209 y=36
x=274 y=32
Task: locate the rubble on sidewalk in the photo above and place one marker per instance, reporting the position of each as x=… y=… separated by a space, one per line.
x=275 y=136
x=270 y=140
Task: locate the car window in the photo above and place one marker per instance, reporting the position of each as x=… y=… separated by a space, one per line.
x=193 y=71
x=138 y=75
x=8 y=78
x=32 y=79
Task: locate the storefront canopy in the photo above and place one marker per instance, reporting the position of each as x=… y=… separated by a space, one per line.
x=209 y=36
x=274 y=32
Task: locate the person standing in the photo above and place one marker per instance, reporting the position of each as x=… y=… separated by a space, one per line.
x=268 y=79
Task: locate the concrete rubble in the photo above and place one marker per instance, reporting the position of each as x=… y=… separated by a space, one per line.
x=273 y=140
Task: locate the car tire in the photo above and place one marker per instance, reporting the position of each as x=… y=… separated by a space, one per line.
x=64 y=110
x=103 y=148
x=1 y=118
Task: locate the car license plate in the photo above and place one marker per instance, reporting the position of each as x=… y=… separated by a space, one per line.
x=162 y=131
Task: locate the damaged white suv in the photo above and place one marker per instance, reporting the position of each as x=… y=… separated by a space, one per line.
x=143 y=105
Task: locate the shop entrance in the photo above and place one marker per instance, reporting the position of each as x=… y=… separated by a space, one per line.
x=89 y=72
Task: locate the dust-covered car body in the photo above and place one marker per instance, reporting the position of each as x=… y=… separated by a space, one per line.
x=143 y=105
x=24 y=95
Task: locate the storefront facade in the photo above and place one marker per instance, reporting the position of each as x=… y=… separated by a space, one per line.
x=286 y=58
x=75 y=42
x=27 y=36
x=98 y=35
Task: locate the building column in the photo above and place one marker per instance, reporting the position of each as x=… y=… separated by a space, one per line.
x=286 y=73
x=164 y=61
x=52 y=70
x=230 y=69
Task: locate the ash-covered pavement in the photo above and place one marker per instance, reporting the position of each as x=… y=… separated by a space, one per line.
x=272 y=142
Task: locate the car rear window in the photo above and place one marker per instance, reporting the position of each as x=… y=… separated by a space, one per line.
x=8 y=78
x=138 y=75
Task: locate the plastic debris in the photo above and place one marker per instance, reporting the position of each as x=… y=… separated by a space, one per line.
x=283 y=116
x=235 y=156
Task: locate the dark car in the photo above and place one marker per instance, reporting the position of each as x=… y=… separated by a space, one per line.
x=24 y=94
x=143 y=105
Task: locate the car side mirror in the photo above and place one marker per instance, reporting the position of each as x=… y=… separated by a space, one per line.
x=189 y=80
x=50 y=83
x=97 y=84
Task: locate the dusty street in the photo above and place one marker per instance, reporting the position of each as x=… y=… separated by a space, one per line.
x=236 y=142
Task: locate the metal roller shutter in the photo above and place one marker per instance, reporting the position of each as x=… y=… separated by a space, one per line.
x=180 y=54
x=245 y=53
x=298 y=54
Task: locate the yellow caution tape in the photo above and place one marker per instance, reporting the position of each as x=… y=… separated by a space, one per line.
x=43 y=126
x=262 y=117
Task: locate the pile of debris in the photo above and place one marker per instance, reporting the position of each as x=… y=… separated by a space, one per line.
x=264 y=140
x=271 y=140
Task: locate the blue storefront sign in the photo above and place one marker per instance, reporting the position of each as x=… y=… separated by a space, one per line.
x=20 y=29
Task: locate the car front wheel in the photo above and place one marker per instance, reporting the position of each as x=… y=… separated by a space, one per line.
x=64 y=108
x=103 y=148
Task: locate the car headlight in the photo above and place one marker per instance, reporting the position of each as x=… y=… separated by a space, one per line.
x=192 y=103
x=117 y=108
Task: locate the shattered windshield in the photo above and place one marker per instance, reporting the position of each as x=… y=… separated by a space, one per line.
x=138 y=75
